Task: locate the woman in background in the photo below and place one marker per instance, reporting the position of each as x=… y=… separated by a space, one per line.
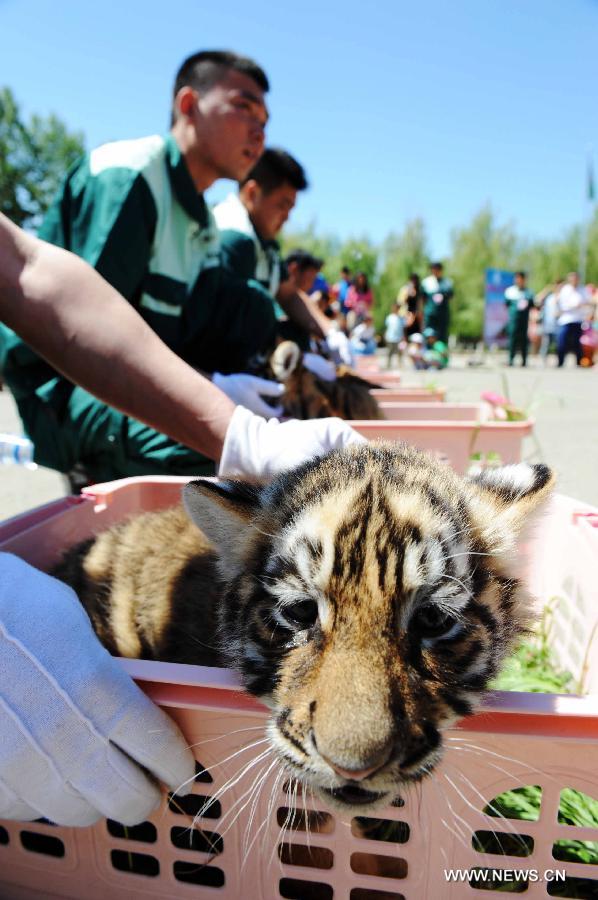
x=359 y=301
x=410 y=300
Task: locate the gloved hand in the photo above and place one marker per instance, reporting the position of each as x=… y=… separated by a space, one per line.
x=78 y=739
x=339 y=347
x=320 y=367
x=248 y=391
x=256 y=450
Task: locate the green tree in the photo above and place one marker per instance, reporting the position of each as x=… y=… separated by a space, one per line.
x=324 y=246
x=592 y=260
x=547 y=260
x=33 y=160
x=359 y=255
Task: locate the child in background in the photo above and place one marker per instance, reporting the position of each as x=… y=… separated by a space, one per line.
x=415 y=350
x=393 y=336
x=436 y=354
x=363 y=337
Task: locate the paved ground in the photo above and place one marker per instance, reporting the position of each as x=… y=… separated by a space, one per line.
x=564 y=403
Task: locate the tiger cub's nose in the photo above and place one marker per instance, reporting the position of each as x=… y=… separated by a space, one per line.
x=375 y=762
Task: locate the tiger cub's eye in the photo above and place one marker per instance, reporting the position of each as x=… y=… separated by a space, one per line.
x=432 y=621
x=303 y=613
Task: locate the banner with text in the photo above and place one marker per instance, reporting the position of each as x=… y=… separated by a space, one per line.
x=495 y=311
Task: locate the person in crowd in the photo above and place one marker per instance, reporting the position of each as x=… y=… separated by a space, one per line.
x=340 y=289
x=302 y=268
x=435 y=353
x=415 y=350
x=410 y=299
x=363 y=336
x=135 y=211
x=589 y=332
x=519 y=301
x=394 y=334
x=249 y=223
x=321 y=298
x=79 y=739
x=534 y=330
x=546 y=301
x=359 y=302
x=319 y=285
x=437 y=292
x=571 y=309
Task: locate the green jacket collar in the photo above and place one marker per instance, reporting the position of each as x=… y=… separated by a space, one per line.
x=268 y=244
x=182 y=184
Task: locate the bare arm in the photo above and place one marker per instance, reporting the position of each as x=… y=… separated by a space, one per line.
x=301 y=310
x=102 y=344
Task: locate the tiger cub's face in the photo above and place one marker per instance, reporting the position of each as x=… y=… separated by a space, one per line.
x=370 y=597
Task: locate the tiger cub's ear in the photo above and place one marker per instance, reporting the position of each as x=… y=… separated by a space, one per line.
x=222 y=510
x=505 y=497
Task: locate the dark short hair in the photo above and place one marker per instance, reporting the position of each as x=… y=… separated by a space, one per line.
x=203 y=70
x=304 y=259
x=436 y=265
x=274 y=168
x=346 y=269
x=520 y=274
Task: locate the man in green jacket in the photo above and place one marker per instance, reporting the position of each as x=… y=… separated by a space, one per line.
x=135 y=211
x=519 y=300
x=249 y=223
x=437 y=291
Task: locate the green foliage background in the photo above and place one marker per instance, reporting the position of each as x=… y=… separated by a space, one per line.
x=35 y=155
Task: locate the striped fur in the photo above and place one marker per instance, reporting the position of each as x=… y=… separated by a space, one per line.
x=308 y=397
x=367 y=597
x=348 y=397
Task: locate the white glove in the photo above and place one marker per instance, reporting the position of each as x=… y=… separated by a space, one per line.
x=320 y=367
x=78 y=739
x=248 y=391
x=256 y=450
x=340 y=349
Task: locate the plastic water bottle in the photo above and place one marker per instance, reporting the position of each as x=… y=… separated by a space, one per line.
x=16 y=451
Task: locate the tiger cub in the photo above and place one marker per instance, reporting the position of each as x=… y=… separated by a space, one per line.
x=308 y=396
x=367 y=597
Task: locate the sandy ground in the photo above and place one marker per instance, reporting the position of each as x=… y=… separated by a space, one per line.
x=564 y=403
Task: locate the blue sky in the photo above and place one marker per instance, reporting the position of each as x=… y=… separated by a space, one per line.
x=396 y=109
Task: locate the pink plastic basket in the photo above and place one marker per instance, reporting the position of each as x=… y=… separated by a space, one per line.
x=449 y=412
x=457 y=440
x=518 y=739
x=386 y=379
x=409 y=393
x=362 y=363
